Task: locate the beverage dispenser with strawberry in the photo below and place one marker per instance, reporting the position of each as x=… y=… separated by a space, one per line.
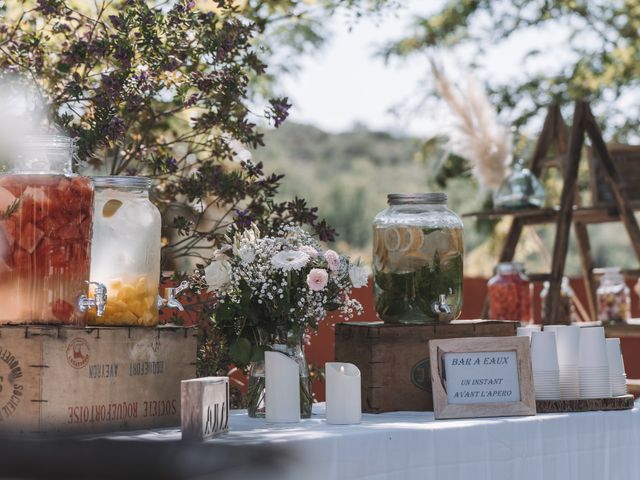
x=46 y=215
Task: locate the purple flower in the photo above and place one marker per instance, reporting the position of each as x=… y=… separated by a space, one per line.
x=116 y=127
x=172 y=164
x=279 y=110
x=191 y=101
x=117 y=22
x=243 y=219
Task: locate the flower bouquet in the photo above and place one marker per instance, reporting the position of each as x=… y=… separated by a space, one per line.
x=273 y=290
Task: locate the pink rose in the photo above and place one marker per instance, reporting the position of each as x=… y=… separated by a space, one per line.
x=333 y=259
x=317 y=279
x=310 y=251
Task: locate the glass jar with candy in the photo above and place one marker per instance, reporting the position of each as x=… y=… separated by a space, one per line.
x=613 y=297
x=509 y=293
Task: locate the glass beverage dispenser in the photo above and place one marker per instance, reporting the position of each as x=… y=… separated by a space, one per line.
x=417 y=257
x=127 y=239
x=45 y=237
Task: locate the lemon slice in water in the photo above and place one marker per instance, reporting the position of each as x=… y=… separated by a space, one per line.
x=392 y=239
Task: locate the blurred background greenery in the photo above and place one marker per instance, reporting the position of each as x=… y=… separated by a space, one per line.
x=347 y=175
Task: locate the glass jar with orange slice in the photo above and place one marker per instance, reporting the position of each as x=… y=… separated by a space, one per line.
x=417 y=258
x=126 y=246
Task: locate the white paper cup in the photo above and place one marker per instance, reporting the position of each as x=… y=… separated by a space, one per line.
x=593 y=348
x=544 y=353
x=568 y=343
x=547 y=385
x=614 y=356
x=526 y=330
x=617 y=376
x=595 y=382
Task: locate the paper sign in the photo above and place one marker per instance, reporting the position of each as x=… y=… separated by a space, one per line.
x=481 y=377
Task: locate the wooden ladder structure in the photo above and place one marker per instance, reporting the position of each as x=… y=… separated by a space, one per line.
x=569 y=144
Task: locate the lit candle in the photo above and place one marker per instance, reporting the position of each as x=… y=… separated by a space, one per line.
x=342 y=393
x=282 y=388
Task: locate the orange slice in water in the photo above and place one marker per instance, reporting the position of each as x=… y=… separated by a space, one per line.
x=110 y=208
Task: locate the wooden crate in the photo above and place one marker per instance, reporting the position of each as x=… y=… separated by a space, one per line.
x=394 y=359
x=626 y=159
x=95 y=379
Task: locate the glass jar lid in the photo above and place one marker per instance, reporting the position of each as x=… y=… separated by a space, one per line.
x=611 y=275
x=122 y=182
x=46 y=153
x=437 y=198
x=509 y=268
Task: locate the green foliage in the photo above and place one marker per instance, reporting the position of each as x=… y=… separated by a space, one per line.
x=351 y=188
x=158 y=90
x=11 y=209
x=602 y=36
x=410 y=296
x=318 y=165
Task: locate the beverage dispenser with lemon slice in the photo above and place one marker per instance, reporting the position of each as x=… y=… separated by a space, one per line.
x=127 y=242
x=418 y=257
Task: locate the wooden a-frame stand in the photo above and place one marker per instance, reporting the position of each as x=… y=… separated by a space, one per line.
x=569 y=146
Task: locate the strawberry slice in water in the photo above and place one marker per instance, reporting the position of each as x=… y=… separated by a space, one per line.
x=62 y=310
x=29 y=237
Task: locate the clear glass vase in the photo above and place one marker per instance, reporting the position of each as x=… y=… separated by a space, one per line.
x=520 y=190
x=292 y=347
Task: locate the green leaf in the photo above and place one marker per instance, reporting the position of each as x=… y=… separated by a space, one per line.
x=240 y=351
x=257 y=353
x=11 y=209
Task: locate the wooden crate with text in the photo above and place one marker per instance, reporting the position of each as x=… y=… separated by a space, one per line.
x=394 y=359
x=95 y=379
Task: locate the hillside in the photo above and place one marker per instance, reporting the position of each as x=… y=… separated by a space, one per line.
x=348 y=176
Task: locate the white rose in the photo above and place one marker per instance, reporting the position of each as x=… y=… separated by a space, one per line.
x=217 y=274
x=358 y=275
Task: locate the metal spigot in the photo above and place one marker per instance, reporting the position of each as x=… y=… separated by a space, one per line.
x=99 y=300
x=441 y=306
x=172 y=293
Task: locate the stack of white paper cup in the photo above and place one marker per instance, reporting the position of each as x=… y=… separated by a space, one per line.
x=593 y=364
x=525 y=331
x=617 y=375
x=544 y=360
x=568 y=344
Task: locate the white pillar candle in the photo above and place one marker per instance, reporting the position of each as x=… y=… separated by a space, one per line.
x=342 y=393
x=282 y=388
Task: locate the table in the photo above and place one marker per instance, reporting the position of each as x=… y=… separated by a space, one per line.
x=412 y=445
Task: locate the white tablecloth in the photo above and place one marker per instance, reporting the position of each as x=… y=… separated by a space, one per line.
x=411 y=445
